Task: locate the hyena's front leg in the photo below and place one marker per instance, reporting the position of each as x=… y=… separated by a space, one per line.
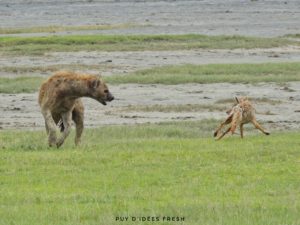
x=47 y=128
x=78 y=119
x=50 y=127
x=67 y=121
x=258 y=126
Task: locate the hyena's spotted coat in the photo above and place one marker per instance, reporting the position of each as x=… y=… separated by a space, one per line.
x=59 y=99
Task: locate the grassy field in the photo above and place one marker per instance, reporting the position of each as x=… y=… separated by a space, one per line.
x=292 y=35
x=42 y=45
x=166 y=169
x=172 y=169
x=20 y=84
x=213 y=73
x=48 y=69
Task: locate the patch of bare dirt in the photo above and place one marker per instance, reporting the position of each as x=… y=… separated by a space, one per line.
x=217 y=17
x=21 y=111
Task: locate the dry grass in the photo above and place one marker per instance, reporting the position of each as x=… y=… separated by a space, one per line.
x=53 y=68
x=255 y=100
x=56 y=29
x=175 y=108
x=75 y=43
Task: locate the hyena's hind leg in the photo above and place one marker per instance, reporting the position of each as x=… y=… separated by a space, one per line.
x=67 y=122
x=58 y=121
x=50 y=127
x=258 y=126
x=78 y=117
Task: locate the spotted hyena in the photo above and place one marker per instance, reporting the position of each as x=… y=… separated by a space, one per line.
x=60 y=102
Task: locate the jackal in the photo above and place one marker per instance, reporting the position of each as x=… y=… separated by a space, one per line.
x=241 y=113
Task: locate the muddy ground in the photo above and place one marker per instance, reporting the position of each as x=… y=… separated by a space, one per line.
x=278 y=106
x=251 y=18
x=234 y=17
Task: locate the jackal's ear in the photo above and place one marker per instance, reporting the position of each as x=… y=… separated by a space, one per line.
x=94 y=83
x=237 y=100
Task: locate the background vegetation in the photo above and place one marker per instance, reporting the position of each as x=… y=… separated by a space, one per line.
x=42 y=45
x=213 y=73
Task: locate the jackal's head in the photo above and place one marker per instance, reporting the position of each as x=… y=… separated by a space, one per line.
x=238 y=101
x=241 y=99
x=99 y=91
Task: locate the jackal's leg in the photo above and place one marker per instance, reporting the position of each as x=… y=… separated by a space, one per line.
x=236 y=120
x=242 y=130
x=224 y=133
x=67 y=121
x=258 y=126
x=50 y=127
x=227 y=121
x=233 y=128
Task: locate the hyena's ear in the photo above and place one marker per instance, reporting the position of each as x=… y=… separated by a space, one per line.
x=237 y=100
x=93 y=84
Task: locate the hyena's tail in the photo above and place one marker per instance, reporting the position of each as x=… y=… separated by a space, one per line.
x=61 y=126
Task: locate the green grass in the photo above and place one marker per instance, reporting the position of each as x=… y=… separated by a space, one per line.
x=20 y=84
x=42 y=45
x=213 y=73
x=292 y=35
x=150 y=170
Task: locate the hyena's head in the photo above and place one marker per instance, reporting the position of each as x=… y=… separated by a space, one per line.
x=99 y=91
